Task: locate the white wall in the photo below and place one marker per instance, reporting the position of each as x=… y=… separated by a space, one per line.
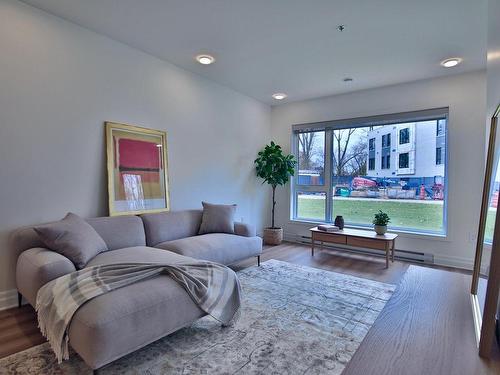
x=493 y=78
x=465 y=96
x=60 y=82
x=493 y=62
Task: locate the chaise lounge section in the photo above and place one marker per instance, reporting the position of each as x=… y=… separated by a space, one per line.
x=124 y=320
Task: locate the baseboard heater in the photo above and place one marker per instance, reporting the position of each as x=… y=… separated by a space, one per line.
x=411 y=256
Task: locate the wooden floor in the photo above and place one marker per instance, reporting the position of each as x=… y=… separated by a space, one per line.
x=18 y=330
x=426 y=327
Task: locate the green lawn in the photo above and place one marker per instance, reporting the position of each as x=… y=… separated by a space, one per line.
x=490 y=225
x=414 y=215
x=411 y=215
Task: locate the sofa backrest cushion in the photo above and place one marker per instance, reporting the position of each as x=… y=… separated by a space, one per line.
x=172 y=225
x=117 y=232
x=217 y=218
x=72 y=237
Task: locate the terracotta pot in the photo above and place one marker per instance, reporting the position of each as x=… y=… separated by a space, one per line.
x=273 y=236
x=380 y=229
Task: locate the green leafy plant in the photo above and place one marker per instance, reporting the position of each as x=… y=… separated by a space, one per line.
x=381 y=218
x=275 y=168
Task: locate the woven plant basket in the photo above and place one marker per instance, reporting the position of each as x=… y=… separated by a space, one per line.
x=273 y=236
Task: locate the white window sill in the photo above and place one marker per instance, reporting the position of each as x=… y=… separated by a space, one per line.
x=403 y=233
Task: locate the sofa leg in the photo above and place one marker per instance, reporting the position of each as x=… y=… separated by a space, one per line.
x=258 y=260
x=19 y=300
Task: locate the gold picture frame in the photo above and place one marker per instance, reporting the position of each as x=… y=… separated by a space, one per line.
x=137 y=166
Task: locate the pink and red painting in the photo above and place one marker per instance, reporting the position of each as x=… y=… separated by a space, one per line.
x=137 y=169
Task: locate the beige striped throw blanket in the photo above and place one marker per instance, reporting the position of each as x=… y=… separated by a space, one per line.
x=213 y=287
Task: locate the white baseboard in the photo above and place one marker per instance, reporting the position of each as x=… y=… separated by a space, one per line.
x=8 y=299
x=429 y=258
x=456 y=262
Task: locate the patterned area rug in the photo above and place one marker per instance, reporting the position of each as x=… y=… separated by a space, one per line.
x=294 y=320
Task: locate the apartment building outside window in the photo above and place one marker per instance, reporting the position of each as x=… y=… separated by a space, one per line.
x=371 y=145
x=404 y=136
x=439 y=156
x=371 y=164
x=440 y=128
x=386 y=161
x=404 y=160
x=386 y=140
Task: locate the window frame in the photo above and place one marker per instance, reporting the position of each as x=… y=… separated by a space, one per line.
x=324 y=153
x=439 y=130
x=385 y=161
x=370 y=168
x=439 y=152
x=300 y=188
x=407 y=137
x=360 y=122
x=387 y=138
x=407 y=154
x=371 y=142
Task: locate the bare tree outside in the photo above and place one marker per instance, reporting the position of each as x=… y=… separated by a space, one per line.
x=311 y=151
x=357 y=165
x=349 y=152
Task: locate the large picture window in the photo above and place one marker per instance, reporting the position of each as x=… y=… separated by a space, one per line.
x=345 y=169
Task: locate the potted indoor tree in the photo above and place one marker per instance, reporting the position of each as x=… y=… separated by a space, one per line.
x=275 y=168
x=380 y=222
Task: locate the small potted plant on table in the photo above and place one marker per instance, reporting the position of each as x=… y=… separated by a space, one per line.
x=380 y=222
x=274 y=168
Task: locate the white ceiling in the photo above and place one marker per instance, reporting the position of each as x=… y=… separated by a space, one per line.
x=292 y=46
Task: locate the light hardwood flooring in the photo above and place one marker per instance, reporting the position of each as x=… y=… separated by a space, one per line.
x=426 y=327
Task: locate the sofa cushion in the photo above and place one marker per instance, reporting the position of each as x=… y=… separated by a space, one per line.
x=123 y=320
x=244 y=229
x=136 y=254
x=119 y=231
x=168 y=226
x=36 y=267
x=217 y=218
x=72 y=237
x=222 y=248
x=116 y=231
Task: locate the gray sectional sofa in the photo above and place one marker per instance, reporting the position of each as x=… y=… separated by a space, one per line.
x=124 y=320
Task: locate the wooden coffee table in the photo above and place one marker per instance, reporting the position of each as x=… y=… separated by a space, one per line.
x=357 y=238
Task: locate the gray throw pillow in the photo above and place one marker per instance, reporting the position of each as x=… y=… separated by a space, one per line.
x=217 y=218
x=72 y=237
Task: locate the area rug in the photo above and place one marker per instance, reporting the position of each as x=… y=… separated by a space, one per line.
x=294 y=320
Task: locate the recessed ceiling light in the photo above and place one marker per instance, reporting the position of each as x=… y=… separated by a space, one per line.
x=205 y=59
x=279 y=96
x=449 y=63
x=347 y=79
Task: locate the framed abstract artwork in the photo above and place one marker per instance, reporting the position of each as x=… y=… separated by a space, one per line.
x=137 y=169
